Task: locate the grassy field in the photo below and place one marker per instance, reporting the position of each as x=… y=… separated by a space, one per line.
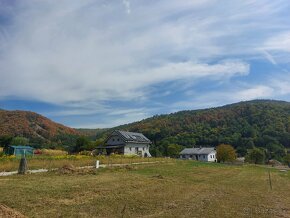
x=10 y=163
x=171 y=189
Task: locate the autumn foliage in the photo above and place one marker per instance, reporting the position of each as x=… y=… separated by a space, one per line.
x=226 y=153
x=33 y=126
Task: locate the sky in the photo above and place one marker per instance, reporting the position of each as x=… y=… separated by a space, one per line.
x=102 y=63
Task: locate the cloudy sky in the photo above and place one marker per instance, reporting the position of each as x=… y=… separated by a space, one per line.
x=101 y=63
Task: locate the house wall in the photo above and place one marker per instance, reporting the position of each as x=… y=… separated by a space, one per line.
x=200 y=157
x=131 y=149
x=211 y=157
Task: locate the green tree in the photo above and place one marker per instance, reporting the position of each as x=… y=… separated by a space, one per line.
x=5 y=141
x=275 y=151
x=20 y=141
x=242 y=151
x=173 y=150
x=226 y=153
x=256 y=156
x=155 y=152
x=81 y=143
x=99 y=142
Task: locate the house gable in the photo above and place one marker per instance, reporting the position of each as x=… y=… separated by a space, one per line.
x=130 y=143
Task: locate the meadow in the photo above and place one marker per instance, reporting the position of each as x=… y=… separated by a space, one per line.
x=55 y=159
x=172 y=188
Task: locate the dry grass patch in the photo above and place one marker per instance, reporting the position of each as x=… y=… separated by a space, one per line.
x=177 y=189
x=7 y=212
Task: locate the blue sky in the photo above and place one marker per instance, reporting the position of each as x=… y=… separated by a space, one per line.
x=100 y=63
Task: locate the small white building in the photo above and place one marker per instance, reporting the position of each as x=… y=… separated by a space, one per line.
x=127 y=143
x=201 y=154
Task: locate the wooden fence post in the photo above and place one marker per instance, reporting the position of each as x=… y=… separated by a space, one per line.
x=270 y=180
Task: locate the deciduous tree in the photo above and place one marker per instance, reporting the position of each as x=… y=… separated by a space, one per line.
x=226 y=153
x=256 y=156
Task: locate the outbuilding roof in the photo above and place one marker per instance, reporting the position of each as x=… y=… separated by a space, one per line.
x=197 y=150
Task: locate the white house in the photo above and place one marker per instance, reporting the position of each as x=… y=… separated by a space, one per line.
x=201 y=154
x=127 y=143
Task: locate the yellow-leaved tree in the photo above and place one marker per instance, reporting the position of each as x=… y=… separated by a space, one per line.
x=226 y=153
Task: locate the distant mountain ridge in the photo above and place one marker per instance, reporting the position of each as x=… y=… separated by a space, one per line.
x=33 y=126
x=261 y=123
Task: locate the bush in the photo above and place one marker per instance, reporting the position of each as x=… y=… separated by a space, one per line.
x=173 y=150
x=226 y=153
x=256 y=156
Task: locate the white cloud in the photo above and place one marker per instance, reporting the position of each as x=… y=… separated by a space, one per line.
x=269 y=57
x=116 y=120
x=280 y=42
x=259 y=91
x=127 y=5
x=222 y=97
x=63 y=54
x=83 y=53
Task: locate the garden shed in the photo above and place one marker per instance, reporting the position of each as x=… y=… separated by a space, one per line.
x=19 y=150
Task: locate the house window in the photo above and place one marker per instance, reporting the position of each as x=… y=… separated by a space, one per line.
x=143 y=148
x=130 y=149
x=113 y=140
x=118 y=139
x=204 y=156
x=136 y=149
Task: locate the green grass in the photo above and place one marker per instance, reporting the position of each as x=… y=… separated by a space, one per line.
x=171 y=189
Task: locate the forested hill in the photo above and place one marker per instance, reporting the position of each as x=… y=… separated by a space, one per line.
x=260 y=123
x=38 y=129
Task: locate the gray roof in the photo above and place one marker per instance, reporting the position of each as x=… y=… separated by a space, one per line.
x=133 y=137
x=197 y=150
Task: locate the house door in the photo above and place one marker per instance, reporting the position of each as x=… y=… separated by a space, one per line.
x=196 y=157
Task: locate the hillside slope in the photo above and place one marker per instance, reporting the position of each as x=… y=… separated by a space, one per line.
x=37 y=128
x=262 y=123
